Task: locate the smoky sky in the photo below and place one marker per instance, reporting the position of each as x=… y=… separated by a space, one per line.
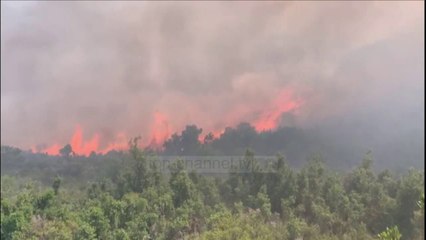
x=354 y=68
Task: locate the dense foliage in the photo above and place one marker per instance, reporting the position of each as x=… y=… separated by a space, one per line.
x=133 y=199
x=297 y=144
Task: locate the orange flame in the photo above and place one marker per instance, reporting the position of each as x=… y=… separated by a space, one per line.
x=161 y=130
x=84 y=148
x=121 y=143
x=52 y=150
x=269 y=119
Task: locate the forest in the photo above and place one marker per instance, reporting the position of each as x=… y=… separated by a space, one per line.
x=125 y=195
x=205 y=120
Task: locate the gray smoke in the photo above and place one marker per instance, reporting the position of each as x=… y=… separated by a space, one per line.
x=356 y=68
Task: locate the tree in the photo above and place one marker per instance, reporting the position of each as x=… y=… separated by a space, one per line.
x=66 y=151
x=390 y=234
x=278 y=202
x=262 y=202
x=208 y=139
x=409 y=193
x=190 y=142
x=96 y=218
x=56 y=184
x=186 y=143
x=419 y=219
x=182 y=186
x=421 y=202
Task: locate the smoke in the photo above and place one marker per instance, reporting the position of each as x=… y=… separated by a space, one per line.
x=112 y=70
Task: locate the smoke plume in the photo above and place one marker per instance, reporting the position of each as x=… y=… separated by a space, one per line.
x=94 y=74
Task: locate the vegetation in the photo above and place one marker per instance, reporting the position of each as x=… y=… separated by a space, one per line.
x=390 y=234
x=133 y=199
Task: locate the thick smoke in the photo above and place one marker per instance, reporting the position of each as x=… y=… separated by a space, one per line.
x=352 y=70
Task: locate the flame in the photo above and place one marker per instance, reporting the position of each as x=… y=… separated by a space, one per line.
x=84 y=148
x=33 y=149
x=216 y=134
x=52 y=150
x=160 y=130
x=120 y=143
x=269 y=119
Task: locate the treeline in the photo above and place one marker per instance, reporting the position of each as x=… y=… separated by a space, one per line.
x=341 y=150
x=138 y=201
x=234 y=141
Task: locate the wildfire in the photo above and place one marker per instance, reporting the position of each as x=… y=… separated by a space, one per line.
x=160 y=130
x=270 y=118
x=82 y=147
x=53 y=150
x=79 y=146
